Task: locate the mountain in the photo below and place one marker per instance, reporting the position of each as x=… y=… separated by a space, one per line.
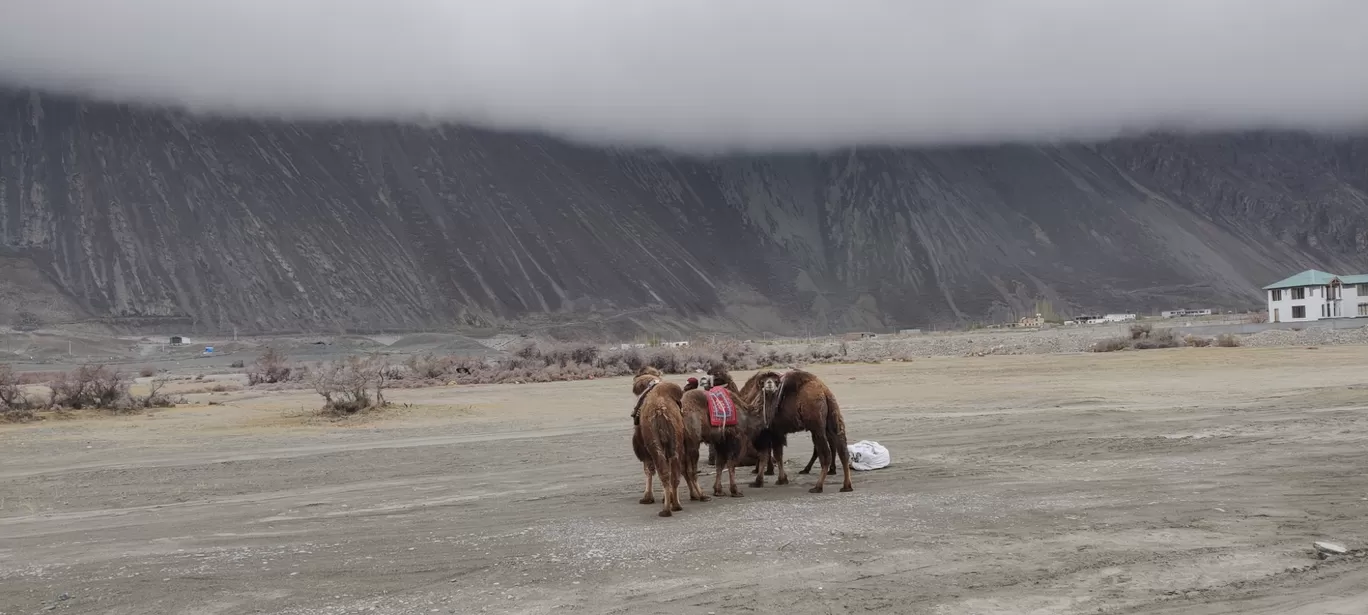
x=141 y=216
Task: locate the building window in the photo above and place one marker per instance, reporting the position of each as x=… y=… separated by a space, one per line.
x=1299 y=293
x=1277 y=294
x=1299 y=311
x=1363 y=309
x=1325 y=310
x=1362 y=290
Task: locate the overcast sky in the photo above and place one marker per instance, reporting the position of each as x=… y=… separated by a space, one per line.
x=719 y=74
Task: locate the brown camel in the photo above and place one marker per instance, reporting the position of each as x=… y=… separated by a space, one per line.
x=726 y=443
x=658 y=440
x=803 y=403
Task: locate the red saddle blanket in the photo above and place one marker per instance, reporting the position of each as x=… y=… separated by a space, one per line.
x=721 y=410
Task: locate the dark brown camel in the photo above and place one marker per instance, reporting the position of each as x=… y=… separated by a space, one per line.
x=803 y=403
x=726 y=444
x=658 y=436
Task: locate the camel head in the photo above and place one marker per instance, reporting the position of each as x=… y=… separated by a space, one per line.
x=770 y=385
x=705 y=382
x=645 y=377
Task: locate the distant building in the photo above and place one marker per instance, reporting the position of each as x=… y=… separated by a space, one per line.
x=1317 y=295
x=675 y=344
x=1184 y=313
x=177 y=340
x=1031 y=321
x=1118 y=318
x=863 y=335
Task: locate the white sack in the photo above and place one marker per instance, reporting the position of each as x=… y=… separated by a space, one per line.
x=868 y=455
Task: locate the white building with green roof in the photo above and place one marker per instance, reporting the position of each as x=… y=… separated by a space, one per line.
x=1317 y=295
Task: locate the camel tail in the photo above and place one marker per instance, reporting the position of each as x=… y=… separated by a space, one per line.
x=835 y=422
x=664 y=432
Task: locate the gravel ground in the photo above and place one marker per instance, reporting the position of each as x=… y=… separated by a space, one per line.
x=1190 y=480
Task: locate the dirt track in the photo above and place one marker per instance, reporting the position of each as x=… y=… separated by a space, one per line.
x=1183 y=481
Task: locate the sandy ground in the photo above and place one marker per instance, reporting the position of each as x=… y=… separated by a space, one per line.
x=1165 y=481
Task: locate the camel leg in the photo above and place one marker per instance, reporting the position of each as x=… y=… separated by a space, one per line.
x=712 y=455
x=649 y=498
x=808 y=468
x=691 y=477
x=731 y=476
x=838 y=442
x=779 y=462
x=769 y=466
x=759 y=466
x=819 y=443
x=666 y=468
x=717 y=479
x=675 y=471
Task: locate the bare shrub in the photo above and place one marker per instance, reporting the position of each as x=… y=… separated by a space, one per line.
x=1163 y=338
x=237 y=364
x=270 y=368
x=15 y=406
x=155 y=398
x=147 y=372
x=351 y=385
x=1226 y=340
x=27 y=321
x=1257 y=317
x=91 y=386
x=1197 y=341
x=430 y=366
x=1112 y=344
x=1142 y=337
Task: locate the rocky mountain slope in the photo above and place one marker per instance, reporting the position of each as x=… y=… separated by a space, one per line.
x=148 y=215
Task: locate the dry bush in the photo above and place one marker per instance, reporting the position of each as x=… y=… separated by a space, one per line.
x=1226 y=340
x=147 y=372
x=1197 y=341
x=1112 y=344
x=1257 y=317
x=1163 y=338
x=155 y=398
x=1142 y=337
x=430 y=366
x=91 y=386
x=237 y=364
x=27 y=321
x=271 y=368
x=354 y=384
x=15 y=406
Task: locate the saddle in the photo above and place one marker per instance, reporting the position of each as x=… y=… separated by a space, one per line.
x=721 y=408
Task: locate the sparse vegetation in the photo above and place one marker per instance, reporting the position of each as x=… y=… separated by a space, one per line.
x=1197 y=341
x=237 y=364
x=271 y=368
x=91 y=386
x=27 y=321
x=155 y=398
x=147 y=372
x=354 y=384
x=15 y=405
x=1142 y=337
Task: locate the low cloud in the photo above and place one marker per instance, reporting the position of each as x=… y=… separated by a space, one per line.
x=714 y=75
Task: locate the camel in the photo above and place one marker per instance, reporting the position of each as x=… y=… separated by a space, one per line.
x=803 y=403
x=658 y=438
x=726 y=444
